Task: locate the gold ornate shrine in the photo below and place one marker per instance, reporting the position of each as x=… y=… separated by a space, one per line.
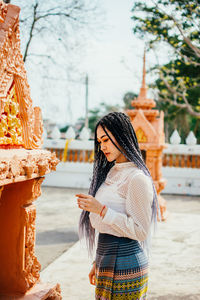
x=19 y=124
x=148 y=124
x=23 y=165
x=10 y=123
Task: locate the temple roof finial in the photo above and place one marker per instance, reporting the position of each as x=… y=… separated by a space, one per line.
x=143 y=89
x=142 y=101
x=144 y=70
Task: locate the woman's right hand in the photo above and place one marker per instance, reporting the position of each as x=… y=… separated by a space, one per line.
x=92 y=274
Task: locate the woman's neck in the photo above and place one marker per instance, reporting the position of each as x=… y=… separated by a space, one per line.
x=121 y=158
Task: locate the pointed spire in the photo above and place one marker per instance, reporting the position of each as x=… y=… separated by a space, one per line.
x=142 y=102
x=143 y=89
x=144 y=70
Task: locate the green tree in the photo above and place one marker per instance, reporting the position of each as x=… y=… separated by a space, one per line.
x=177 y=24
x=94 y=115
x=97 y=113
x=128 y=98
x=175 y=116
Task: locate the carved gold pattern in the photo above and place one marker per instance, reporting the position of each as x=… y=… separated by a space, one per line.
x=141 y=136
x=10 y=123
x=12 y=69
x=21 y=127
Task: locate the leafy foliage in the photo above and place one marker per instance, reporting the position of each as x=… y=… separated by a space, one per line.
x=97 y=113
x=177 y=24
x=128 y=98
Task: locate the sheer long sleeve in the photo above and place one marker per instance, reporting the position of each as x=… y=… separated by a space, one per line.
x=135 y=222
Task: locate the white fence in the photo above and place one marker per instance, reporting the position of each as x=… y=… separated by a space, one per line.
x=181 y=166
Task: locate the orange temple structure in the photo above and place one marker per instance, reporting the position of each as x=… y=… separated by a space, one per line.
x=23 y=165
x=148 y=124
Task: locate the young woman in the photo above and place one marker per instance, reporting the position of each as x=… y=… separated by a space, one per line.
x=121 y=206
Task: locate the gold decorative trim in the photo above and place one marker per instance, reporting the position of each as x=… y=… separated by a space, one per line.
x=142 y=138
x=12 y=69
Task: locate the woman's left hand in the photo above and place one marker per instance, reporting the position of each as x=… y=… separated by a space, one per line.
x=89 y=203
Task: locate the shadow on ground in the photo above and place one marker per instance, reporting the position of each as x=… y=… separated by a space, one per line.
x=51 y=244
x=56 y=237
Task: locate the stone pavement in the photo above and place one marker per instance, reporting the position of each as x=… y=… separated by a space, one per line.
x=174 y=263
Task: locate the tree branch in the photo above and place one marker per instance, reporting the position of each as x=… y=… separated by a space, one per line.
x=175 y=94
x=31 y=31
x=186 y=39
x=195 y=49
x=42 y=55
x=189 y=60
x=56 y=14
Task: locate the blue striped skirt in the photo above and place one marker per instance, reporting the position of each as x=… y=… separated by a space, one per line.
x=121 y=269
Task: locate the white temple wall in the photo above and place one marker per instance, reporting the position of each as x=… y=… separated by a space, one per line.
x=185 y=181
x=180 y=180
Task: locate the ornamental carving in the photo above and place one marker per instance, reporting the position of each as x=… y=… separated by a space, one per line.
x=36 y=189
x=3 y=11
x=4 y=170
x=22 y=163
x=55 y=294
x=141 y=136
x=21 y=124
x=10 y=123
x=31 y=264
x=25 y=164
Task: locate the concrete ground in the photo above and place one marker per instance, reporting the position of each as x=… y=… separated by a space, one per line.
x=174 y=263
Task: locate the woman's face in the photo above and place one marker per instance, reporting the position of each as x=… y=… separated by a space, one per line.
x=108 y=148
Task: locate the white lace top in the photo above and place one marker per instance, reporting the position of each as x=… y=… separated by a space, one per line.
x=128 y=194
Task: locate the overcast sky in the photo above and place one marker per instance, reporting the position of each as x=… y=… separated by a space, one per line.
x=113 y=63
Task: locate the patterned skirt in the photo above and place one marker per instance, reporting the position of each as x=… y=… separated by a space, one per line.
x=121 y=269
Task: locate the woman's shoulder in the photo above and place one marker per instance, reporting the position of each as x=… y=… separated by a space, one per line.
x=134 y=180
x=126 y=172
x=136 y=176
x=131 y=173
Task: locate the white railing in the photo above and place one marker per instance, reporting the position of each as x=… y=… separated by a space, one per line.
x=76 y=157
x=181 y=163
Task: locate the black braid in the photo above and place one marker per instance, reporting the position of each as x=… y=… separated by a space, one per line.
x=121 y=128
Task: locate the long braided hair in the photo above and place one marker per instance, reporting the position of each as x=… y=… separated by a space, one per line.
x=121 y=128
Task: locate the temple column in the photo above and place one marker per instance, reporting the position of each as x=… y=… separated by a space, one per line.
x=18 y=263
